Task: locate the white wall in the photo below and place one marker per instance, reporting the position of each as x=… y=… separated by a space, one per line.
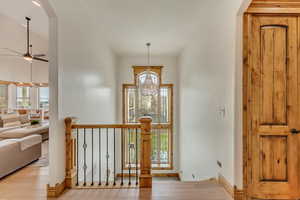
x=86 y=77
x=207 y=85
x=169 y=75
x=13 y=36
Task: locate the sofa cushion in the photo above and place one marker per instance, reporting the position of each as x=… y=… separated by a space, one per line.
x=29 y=141
x=23 y=132
x=9 y=120
x=11 y=124
x=7 y=143
x=7 y=129
x=14 y=157
x=9 y=116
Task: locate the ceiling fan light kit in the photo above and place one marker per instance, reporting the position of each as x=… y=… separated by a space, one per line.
x=28 y=57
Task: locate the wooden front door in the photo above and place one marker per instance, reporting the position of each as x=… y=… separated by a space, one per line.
x=273 y=92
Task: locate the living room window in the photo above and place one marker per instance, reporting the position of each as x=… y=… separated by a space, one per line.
x=160 y=108
x=23 y=97
x=44 y=97
x=3 y=96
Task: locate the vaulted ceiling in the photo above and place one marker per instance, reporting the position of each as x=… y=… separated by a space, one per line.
x=168 y=24
x=17 y=10
x=128 y=24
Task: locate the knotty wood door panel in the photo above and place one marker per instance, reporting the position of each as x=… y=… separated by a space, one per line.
x=274 y=109
x=274 y=71
x=273 y=160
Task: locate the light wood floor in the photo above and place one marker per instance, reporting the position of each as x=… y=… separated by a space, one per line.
x=30 y=184
x=161 y=191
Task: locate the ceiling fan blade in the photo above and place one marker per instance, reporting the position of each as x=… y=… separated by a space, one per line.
x=40 y=59
x=13 y=51
x=39 y=55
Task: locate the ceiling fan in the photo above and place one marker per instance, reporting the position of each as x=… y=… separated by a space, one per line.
x=28 y=55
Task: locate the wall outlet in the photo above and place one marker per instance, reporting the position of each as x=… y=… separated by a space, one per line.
x=219 y=164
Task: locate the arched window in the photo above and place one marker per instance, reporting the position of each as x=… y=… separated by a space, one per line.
x=159 y=107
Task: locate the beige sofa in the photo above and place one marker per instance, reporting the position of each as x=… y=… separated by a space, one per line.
x=20 y=143
x=20 y=132
x=17 y=153
x=18 y=126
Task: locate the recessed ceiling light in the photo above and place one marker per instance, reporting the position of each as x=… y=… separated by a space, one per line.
x=36 y=3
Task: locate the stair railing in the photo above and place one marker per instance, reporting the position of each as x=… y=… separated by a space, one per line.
x=95 y=155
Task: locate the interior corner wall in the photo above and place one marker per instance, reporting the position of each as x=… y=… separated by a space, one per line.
x=169 y=76
x=207 y=70
x=83 y=76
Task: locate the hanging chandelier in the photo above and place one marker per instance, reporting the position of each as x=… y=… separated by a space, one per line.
x=148 y=84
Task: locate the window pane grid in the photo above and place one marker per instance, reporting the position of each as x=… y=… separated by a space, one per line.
x=160 y=147
x=3 y=96
x=130 y=141
x=44 y=97
x=23 y=97
x=131 y=94
x=161 y=137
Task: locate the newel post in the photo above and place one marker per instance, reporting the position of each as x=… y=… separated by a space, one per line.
x=145 y=168
x=70 y=154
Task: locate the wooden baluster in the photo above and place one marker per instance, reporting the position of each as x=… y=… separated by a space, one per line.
x=145 y=157
x=71 y=172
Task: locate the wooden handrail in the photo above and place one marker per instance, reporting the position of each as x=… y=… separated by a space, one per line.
x=133 y=126
x=161 y=126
